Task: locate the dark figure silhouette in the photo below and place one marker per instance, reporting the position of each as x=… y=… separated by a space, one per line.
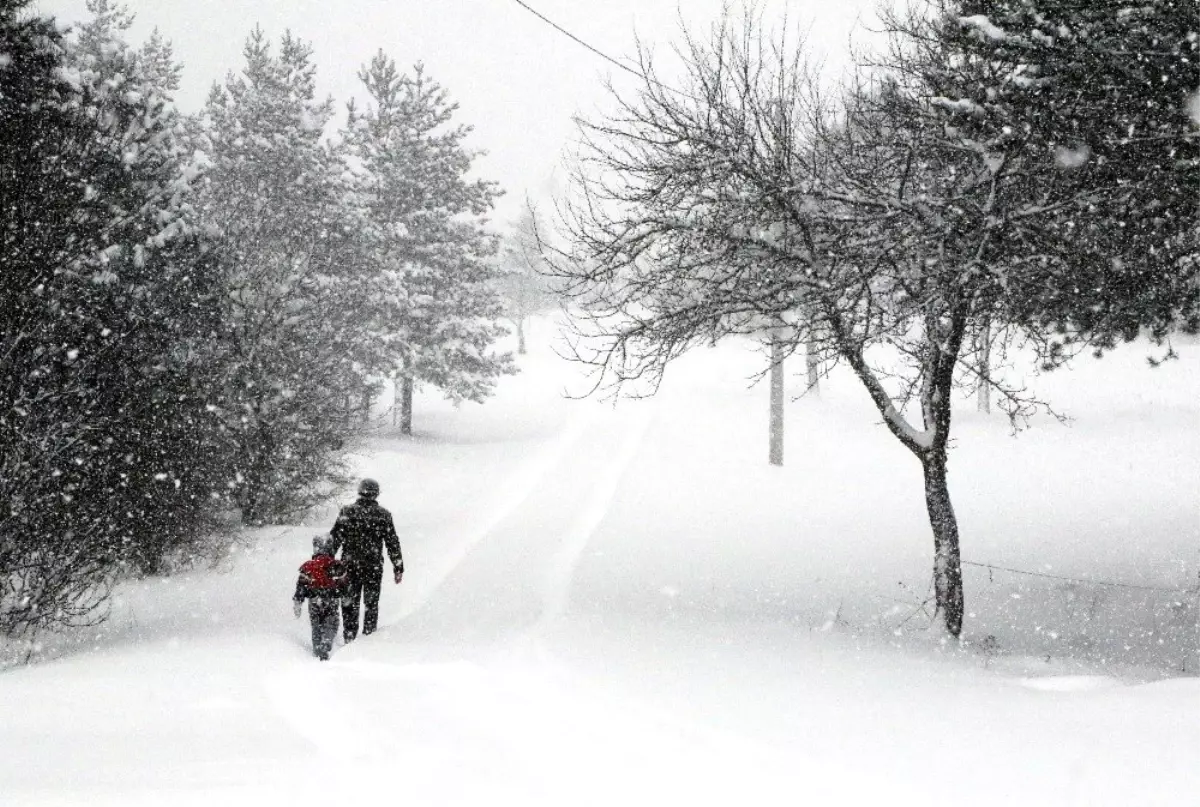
x=323 y=581
x=362 y=531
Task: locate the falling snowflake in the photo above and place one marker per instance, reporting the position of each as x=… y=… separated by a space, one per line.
x=1193 y=107
x=1069 y=158
x=310 y=121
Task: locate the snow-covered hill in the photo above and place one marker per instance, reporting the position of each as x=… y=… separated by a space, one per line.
x=626 y=605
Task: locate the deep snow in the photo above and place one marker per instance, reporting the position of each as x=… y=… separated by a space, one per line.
x=627 y=605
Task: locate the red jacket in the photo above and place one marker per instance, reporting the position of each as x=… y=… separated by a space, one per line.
x=323 y=576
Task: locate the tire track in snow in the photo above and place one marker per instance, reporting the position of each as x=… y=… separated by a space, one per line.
x=519 y=489
x=514 y=707
x=512 y=573
x=579 y=534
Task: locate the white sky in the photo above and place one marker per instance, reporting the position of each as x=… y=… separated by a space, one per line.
x=518 y=81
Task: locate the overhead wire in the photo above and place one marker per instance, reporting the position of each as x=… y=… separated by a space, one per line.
x=579 y=41
x=616 y=62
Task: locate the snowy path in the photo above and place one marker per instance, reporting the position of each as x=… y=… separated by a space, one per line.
x=516 y=568
x=464 y=667
x=627 y=606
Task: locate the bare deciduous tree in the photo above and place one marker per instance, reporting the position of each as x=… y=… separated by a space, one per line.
x=522 y=284
x=744 y=195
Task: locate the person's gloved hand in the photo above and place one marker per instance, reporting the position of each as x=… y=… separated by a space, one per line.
x=296 y=607
x=399 y=575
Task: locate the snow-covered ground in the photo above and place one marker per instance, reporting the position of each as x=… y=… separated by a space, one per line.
x=626 y=605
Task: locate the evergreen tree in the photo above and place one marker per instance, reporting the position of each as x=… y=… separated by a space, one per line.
x=165 y=286
x=158 y=60
x=437 y=307
x=102 y=438
x=293 y=340
x=1091 y=100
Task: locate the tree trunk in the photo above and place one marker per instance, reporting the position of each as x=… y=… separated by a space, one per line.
x=776 y=428
x=947 y=564
x=366 y=406
x=942 y=348
x=255 y=459
x=812 y=361
x=984 y=391
x=520 y=336
x=406 y=404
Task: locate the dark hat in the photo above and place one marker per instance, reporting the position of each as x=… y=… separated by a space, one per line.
x=368 y=489
x=321 y=545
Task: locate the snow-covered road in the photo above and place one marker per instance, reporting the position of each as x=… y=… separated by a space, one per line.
x=627 y=606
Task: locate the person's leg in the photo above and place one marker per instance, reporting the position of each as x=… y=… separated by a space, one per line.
x=335 y=621
x=328 y=616
x=354 y=591
x=317 y=620
x=372 y=582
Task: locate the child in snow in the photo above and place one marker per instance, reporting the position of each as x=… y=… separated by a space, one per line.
x=323 y=583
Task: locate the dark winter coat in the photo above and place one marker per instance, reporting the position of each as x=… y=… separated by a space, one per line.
x=362 y=531
x=322 y=577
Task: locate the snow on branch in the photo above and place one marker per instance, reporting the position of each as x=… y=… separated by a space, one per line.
x=964 y=106
x=984 y=26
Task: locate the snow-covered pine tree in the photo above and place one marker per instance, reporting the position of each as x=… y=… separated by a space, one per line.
x=103 y=437
x=158 y=60
x=1092 y=99
x=164 y=285
x=293 y=335
x=438 y=308
x=36 y=123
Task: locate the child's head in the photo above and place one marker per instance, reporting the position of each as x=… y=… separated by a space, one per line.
x=321 y=545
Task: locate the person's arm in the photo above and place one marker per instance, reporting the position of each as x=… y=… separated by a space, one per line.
x=341 y=579
x=392 y=541
x=337 y=535
x=301 y=593
x=303 y=581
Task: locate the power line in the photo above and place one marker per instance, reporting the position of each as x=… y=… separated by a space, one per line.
x=572 y=36
x=648 y=78
x=1079 y=580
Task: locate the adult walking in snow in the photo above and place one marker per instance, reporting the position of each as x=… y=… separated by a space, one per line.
x=361 y=533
